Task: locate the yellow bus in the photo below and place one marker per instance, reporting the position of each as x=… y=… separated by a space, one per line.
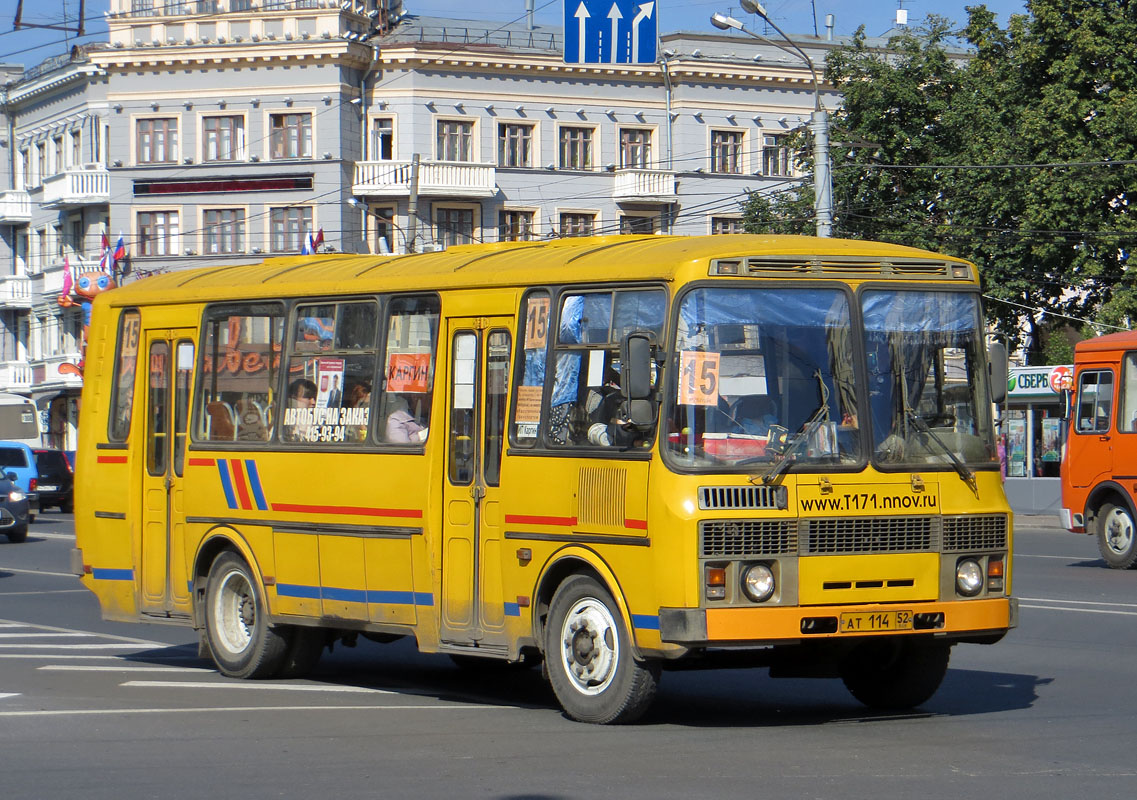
x=619 y=455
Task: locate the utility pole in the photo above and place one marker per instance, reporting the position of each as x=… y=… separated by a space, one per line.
x=412 y=206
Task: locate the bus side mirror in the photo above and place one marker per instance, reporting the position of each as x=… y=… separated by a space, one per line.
x=997 y=371
x=635 y=378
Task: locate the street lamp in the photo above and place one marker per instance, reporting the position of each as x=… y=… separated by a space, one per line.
x=818 y=120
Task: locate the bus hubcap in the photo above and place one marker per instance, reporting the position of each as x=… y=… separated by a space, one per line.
x=1119 y=532
x=236 y=612
x=591 y=647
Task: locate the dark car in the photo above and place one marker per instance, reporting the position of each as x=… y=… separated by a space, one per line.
x=13 y=509
x=56 y=480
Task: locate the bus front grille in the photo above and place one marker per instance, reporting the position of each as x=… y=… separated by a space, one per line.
x=971 y=533
x=868 y=535
x=715 y=498
x=750 y=537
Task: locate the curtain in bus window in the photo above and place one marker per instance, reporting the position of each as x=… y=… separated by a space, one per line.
x=527 y=408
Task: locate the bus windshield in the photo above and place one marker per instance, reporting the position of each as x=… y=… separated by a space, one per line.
x=928 y=393
x=763 y=377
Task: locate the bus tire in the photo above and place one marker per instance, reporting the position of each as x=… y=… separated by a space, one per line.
x=895 y=675
x=589 y=660
x=241 y=641
x=1117 y=537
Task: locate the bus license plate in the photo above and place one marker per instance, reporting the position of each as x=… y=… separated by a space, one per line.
x=869 y=621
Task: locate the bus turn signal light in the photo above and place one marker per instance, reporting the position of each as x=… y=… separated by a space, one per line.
x=716 y=583
x=995 y=575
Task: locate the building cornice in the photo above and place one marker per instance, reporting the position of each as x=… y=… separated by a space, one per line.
x=74 y=73
x=141 y=59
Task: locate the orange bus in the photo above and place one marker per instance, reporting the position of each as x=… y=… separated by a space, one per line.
x=1099 y=466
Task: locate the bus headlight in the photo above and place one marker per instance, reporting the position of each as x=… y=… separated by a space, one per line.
x=968 y=577
x=16 y=495
x=758 y=583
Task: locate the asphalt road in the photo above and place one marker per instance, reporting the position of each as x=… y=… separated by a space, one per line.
x=97 y=710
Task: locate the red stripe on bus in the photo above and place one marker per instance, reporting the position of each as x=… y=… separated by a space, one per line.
x=358 y=510
x=111 y=460
x=201 y=462
x=525 y=519
x=636 y=524
x=239 y=484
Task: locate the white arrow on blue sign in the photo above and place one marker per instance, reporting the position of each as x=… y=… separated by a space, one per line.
x=610 y=32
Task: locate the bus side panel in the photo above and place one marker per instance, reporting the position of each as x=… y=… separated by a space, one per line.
x=297 y=573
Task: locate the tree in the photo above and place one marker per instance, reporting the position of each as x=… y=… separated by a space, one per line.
x=1008 y=154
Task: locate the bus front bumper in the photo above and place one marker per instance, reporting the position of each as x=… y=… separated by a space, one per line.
x=963 y=620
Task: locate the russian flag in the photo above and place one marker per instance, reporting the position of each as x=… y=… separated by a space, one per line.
x=314 y=243
x=104 y=253
x=119 y=249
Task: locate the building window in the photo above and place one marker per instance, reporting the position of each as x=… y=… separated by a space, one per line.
x=455 y=140
x=576 y=148
x=453 y=226
x=514 y=145
x=223 y=138
x=291 y=136
x=726 y=152
x=41 y=163
x=157 y=233
x=726 y=225
x=577 y=224
x=382 y=139
x=76 y=148
x=775 y=155
x=26 y=175
x=157 y=141
x=636 y=224
x=142 y=8
x=515 y=226
x=224 y=230
x=289 y=227
x=57 y=155
x=635 y=148
x=384 y=229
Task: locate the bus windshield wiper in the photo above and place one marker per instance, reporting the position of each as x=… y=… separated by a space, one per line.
x=965 y=474
x=785 y=458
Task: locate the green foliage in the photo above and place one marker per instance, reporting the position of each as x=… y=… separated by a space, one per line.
x=1006 y=154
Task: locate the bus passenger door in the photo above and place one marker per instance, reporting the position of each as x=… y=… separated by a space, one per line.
x=164 y=577
x=1090 y=444
x=472 y=605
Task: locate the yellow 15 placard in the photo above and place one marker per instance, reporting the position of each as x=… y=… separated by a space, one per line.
x=698 y=378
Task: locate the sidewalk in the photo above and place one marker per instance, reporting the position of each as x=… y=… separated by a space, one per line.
x=1049 y=521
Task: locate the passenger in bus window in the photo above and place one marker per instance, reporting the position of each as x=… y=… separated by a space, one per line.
x=298 y=420
x=402 y=428
x=302 y=393
x=606 y=413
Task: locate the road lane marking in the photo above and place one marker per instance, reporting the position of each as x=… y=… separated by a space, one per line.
x=1083 y=610
x=6 y=695
x=39 y=572
x=87 y=712
x=1062 y=558
x=130 y=639
x=120 y=668
x=1077 y=602
x=14 y=625
x=134 y=647
x=68 y=536
x=43 y=635
x=94 y=656
x=284 y=687
x=47 y=591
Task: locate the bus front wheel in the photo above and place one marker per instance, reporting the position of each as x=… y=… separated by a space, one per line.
x=1117 y=539
x=589 y=659
x=895 y=675
x=241 y=641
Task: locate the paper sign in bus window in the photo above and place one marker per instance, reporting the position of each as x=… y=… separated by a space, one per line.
x=408 y=372
x=698 y=378
x=528 y=404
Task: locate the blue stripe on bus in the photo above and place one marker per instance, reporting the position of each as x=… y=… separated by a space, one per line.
x=512 y=610
x=343 y=595
x=391 y=597
x=645 y=622
x=255 y=484
x=226 y=483
x=102 y=574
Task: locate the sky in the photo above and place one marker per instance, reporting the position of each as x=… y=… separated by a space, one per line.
x=30 y=46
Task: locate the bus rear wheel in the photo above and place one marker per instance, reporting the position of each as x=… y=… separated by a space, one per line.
x=895 y=675
x=588 y=656
x=1117 y=539
x=241 y=641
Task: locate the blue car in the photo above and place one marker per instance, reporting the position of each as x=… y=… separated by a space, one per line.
x=19 y=460
x=13 y=510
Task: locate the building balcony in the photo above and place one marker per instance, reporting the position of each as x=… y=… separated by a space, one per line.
x=435 y=179
x=15 y=376
x=15 y=207
x=15 y=291
x=46 y=375
x=644 y=186
x=90 y=185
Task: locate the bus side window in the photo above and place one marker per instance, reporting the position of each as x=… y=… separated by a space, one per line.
x=531 y=355
x=238 y=372
x=408 y=371
x=1127 y=420
x=1095 y=401
x=126 y=362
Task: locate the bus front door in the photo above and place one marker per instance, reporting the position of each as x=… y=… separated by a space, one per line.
x=472 y=602
x=164 y=588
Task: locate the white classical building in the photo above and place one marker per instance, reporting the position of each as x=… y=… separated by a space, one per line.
x=224 y=131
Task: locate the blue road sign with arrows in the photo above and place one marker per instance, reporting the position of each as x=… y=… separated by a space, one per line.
x=610 y=31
